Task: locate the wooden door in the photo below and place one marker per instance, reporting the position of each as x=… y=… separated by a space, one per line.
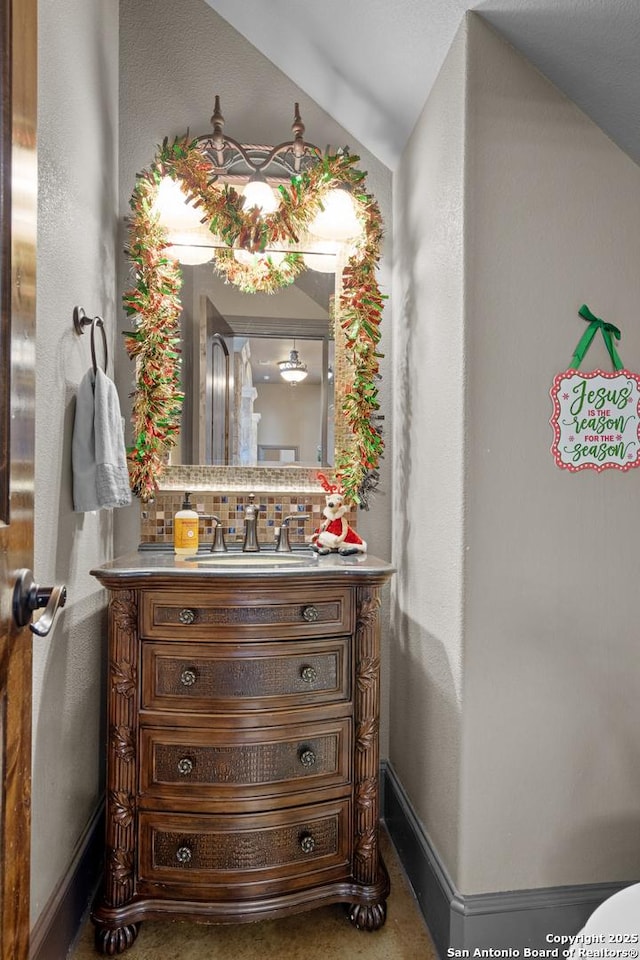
x=18 y=178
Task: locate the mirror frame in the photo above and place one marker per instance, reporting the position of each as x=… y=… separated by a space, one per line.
x=153 y=302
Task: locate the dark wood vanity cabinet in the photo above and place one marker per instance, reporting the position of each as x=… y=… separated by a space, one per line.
x=242 y=746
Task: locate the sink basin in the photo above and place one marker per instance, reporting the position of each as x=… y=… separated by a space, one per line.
x=253 y=560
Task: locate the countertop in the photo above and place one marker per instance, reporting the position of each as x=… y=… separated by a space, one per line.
x=151 y=564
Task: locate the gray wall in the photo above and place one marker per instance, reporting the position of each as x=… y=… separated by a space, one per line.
x=428 y=483
x=77 y=207
x=551 y=778
x=522 y=667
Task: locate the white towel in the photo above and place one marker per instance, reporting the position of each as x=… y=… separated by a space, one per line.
x=100 y=476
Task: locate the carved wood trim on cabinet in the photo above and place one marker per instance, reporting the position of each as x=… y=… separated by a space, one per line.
x=121 y=758
x=366 y=753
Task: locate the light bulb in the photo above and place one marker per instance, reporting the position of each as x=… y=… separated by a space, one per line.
x=192 y=246
x=322 y=256
x=258 y=193
x=248 y=259
x=190 y=256
x=338 y=220
x=175 y=210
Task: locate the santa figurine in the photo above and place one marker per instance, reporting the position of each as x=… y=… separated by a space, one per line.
x=335 y=535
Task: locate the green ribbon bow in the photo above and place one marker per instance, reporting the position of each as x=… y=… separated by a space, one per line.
x=595 y=324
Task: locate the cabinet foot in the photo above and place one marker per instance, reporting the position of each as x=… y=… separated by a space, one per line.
x=369 y=916
x=112 y=942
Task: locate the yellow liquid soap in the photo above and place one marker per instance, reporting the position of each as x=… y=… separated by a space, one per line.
x=185 y=529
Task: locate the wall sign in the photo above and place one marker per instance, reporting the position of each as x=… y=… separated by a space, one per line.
x=595 y=420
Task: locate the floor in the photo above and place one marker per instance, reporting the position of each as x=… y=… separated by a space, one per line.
x=322 y=934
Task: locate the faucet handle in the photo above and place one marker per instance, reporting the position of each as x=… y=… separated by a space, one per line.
x=283 y=544
x=218 y=545
x=282 y=541
x=295 y=516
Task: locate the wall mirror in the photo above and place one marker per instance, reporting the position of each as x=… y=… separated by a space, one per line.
x=261 y=232
x=245 y=404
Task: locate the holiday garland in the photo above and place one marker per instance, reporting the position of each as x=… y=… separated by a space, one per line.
x=154 y=302
x=264 y=276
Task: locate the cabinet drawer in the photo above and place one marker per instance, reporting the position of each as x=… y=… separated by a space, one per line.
x=202 y=678
x=256 y=613
x=230 y=857
x=209 y=764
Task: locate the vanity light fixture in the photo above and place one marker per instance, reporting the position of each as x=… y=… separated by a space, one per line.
x=293 y=370
x=256 y=171
x=250 y=165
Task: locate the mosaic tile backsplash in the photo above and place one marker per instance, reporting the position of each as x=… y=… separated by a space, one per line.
x=157 y=517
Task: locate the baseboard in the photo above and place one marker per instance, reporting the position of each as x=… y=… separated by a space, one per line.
x=57 y=926
x=515 y=919
x=432 y=885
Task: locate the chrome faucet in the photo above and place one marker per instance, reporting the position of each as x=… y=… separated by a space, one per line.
x=251 y=514
x=283 y=544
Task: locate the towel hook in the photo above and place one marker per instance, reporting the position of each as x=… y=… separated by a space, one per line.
x=80 y=321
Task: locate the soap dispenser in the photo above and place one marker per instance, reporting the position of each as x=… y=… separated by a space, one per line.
x=185 y=529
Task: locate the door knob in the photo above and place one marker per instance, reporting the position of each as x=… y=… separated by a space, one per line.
x=28 y=596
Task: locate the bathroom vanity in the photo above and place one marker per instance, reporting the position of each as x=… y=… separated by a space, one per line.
x=242 y=768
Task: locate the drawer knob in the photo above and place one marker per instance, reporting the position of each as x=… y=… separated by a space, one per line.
x=188 y=678
x=186 y=616
x=307 y=758
x=307 y=843
x=185 y=766
x=310 y=614
x=183 y=855
x=309 y=674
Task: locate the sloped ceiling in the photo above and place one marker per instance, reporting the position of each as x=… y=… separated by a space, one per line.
x=371 y=63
